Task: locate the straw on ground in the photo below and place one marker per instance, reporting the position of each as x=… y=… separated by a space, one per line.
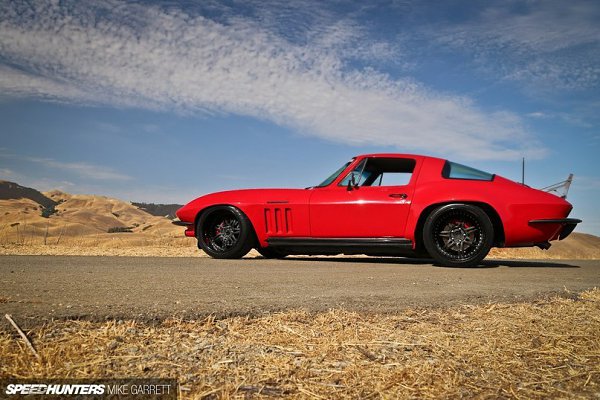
x=542 y=349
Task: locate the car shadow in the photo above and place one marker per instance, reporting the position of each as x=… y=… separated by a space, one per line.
x=528 y=264
x=428 y=261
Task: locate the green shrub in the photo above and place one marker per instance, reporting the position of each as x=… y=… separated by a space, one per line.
x=120 y=229
x=48 y=211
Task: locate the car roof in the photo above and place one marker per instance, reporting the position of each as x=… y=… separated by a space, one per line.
x=395 y=155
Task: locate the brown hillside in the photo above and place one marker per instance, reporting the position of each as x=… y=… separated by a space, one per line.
x=81 y=219
x=576 y=246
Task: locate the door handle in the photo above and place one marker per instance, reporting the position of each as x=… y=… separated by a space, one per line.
x=399 y=195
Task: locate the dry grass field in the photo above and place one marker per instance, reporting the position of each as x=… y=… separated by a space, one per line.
x=545 y=349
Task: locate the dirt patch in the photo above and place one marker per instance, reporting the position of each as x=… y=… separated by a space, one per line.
x=524 y=350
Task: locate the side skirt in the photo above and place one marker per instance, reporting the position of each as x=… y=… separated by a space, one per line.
x=332 y=246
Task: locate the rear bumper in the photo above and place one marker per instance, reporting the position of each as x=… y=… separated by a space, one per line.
x=567 y=225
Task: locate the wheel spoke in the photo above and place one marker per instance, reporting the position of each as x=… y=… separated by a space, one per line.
x=458 y=236
x=471 y=229
x=224 y=234
x=223 y=239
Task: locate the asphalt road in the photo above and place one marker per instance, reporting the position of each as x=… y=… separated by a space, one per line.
x=35 y=289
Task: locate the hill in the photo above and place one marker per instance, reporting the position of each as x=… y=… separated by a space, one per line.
x=576 y=246
x=79 y=220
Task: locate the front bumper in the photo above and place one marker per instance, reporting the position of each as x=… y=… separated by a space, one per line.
x=189 y=227
x=568 y=225
x=180 y=223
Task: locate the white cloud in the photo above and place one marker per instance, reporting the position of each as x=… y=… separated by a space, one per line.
x=538 y=114
x=143 y=56
x=569 y=118
x=545 y=26
x=549 y=44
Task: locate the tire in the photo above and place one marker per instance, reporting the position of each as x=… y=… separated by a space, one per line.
x=225 y=232
x=458 y=235
x=268 y=252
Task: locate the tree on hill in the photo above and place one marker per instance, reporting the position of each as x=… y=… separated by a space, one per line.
x=159 y=210
x=11 y=190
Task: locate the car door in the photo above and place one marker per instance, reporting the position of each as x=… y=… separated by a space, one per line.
x=377 y=206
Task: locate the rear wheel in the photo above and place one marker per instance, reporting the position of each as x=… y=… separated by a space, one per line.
x=225 y=232
x=458 y=235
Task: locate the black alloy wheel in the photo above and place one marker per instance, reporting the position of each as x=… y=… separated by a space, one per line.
x=225 y=232
x=458 y=235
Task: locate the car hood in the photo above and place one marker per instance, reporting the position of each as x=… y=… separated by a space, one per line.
x=240 y=198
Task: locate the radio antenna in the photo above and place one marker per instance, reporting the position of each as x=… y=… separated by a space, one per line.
x=523 y=171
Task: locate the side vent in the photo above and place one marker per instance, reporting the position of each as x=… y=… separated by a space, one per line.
x=278 y=221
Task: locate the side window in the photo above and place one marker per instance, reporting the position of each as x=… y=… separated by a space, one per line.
x=394 y=178
x=382 y=172
x=454 y=170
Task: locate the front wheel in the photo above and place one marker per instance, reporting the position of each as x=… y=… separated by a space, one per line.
x=225 y=232
x=458 y=235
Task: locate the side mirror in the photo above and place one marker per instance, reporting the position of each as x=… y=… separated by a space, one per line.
x=352 y=184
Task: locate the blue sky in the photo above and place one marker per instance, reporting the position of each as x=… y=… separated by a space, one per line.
x=164 y=101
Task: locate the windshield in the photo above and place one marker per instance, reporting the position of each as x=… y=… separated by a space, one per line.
x=334 y=175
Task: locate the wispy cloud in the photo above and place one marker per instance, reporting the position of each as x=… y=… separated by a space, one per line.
x=538 y=115
x=79 y=169
x=83 y=170
x=127 y=54
x=6 y=173
x=569 y=118
x=549 y=44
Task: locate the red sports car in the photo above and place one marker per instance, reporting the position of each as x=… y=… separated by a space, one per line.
x=382 y=204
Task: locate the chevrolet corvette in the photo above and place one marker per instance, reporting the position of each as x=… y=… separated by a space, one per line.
x=382 y=205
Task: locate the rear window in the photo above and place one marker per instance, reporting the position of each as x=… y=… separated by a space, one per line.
x=454 y=170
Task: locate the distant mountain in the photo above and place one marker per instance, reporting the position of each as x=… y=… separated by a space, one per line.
x=159 y=210
x=28 y=216
x=12 y=190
